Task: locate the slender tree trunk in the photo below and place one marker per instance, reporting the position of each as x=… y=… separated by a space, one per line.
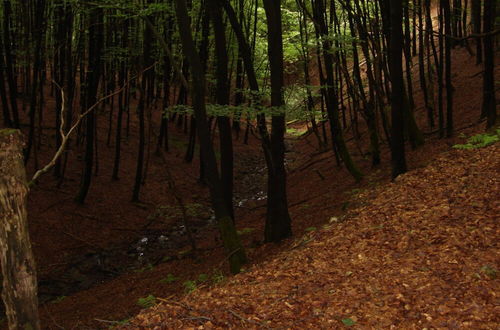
x=447 y=65
x=421 y=65
x=37 y=36
x=331 y=98
x=222 y=95
x=9 y=60
x=278 y=222
x=122 y=76
x=440 y=72
x=7 y=120
x=397 y=94
x=476 y=28
x=140 y=148
x=92 y=85
x=234 y=249
x=489 y=109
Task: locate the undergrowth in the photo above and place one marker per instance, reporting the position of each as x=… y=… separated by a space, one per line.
x=480 y=140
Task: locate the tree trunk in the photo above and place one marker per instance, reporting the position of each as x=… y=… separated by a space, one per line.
x=9 y=61
x=278 y=222
x=234 y=249
x=489 y=109
x=330 y=93
x=222 y=94
x=18 y=265
x=7 y=120
x=447 y=66
x=476 y=28
x=397 y=95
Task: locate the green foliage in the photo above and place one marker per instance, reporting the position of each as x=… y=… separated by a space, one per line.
x=295 y=132
x=311 y=229
x=480 y=141
x=169 y=279
x=217 y=277
x=147 y=301
x=202 y=278
x=348 y=322
x=489 y=271
x=190 y=286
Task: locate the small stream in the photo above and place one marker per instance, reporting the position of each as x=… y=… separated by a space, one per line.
x=152 y=248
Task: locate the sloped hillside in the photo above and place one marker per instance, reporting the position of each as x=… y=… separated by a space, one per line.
x=421 y=252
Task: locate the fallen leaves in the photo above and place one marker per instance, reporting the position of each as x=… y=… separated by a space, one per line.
x=422 y=254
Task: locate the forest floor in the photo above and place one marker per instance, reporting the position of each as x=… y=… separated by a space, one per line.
x=420 y=249
x=419 y=253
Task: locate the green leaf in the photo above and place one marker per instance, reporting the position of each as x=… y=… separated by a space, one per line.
x=147 y=301
x=348 y=322
x=202 y=278
x=189 y=286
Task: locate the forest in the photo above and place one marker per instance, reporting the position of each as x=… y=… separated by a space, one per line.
x=209 y=164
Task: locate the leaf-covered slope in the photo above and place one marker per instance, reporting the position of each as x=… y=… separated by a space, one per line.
x=421 y=253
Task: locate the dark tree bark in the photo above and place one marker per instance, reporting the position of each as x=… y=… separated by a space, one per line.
x=397 y=86
x=167 y=74
x=278 y=222
x=489 y=101
x=92 y=85
x=140 y=147
x=368 y=104
x=330 y=93
x=234 y=249
x=37 y=66
x=18 y=265
x=7 y=120
x=222 y=96
x=273 y=145
x=447 y=66
x=421 y=65
x=11 y=78
x=476 y=28
x=62 y=35
x=122 y=76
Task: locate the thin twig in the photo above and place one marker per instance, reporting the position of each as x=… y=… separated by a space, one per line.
x=65 y=136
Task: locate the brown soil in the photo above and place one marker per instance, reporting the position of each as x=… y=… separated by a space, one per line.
x=87 y=255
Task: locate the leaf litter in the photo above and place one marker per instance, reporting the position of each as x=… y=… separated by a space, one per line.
x=419 y=253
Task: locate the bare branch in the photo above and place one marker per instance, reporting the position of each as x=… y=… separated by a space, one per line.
x=65 y=136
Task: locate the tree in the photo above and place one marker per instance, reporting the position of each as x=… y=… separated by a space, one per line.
x=445 y=5
x=222 y=98
x=91 y=86
x=339 y=145
x=18 y=266
x=278 y=222
x=489 y=109
x=398 y=157
x=234 y=249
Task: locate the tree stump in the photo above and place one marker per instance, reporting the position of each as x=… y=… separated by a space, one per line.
x=18 y=266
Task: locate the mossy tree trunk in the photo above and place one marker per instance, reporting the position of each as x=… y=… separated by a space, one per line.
x=18 y=266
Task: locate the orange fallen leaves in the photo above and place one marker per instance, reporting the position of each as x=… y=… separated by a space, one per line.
x=410 y=258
